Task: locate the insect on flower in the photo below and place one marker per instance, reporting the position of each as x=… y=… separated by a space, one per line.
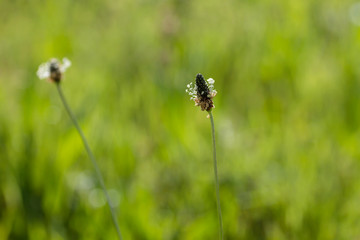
x=53 y=69
x=202 y=92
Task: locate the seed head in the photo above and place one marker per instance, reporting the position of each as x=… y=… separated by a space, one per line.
x=202 y=88
x=202 y=93
x=53 y=70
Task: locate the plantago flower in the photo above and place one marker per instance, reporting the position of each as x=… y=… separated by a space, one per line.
x=53 y=70
x=202 y=93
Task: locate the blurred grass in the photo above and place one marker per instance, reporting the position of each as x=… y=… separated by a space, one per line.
x=287 y=119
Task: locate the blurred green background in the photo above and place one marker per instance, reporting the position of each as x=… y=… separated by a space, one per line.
x=287 y=119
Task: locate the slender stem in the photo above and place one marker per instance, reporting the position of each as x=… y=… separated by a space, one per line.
x=221 y=235
x=92 y=158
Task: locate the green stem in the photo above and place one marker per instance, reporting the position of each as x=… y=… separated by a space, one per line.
x=221 y=235
x=92 y=158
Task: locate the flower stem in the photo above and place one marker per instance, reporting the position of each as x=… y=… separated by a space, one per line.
x=92 y=158
x=221 y=236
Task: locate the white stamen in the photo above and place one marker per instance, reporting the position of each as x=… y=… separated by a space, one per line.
x=66 y=64
x=211 y=81
x=43 y=71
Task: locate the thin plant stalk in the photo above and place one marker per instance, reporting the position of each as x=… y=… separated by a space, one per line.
x=221 y=235
x=92 y=158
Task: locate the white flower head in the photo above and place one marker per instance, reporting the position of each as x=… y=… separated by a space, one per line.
x=53 y=69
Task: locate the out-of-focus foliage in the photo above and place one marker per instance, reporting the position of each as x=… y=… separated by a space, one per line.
x=287 y=119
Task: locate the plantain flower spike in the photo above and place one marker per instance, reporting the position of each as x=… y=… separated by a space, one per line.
x=202 y=92
x=53 y=69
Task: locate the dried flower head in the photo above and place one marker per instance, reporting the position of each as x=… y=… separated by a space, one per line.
x=202 y=93
x=53 y=69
